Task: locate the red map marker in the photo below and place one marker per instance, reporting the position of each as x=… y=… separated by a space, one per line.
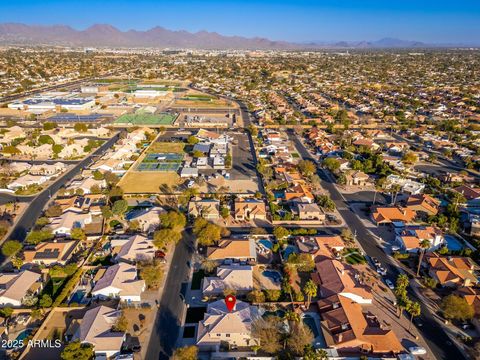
x=230 y=301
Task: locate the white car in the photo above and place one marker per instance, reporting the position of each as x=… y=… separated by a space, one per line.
x=389 y=284
x=417 y=350
x=395 y=248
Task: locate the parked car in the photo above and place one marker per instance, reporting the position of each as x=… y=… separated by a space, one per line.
x=389 y=284
x=382 y=271
x=417 y=350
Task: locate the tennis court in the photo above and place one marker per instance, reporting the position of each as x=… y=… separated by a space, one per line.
x=161 y=162
x=147 y=119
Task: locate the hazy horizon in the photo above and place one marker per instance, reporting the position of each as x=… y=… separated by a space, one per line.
x=436 y=22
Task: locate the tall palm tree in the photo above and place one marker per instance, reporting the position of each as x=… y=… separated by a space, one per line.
x=424 y=245
x=395 y=189
x=310 y=291
x=414 y=309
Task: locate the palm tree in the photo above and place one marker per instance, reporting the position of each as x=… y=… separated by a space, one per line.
x=292 y=316
x=310 y=291
x=395 y=189
x=424 y=245
x=414 y=309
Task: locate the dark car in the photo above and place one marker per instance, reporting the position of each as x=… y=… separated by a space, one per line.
x=132 y=343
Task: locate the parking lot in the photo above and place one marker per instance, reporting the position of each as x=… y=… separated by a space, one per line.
x=243 y=167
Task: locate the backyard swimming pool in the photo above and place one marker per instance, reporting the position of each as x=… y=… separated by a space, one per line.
x=453 y=244
x=310 y=321
x=274 y=275
x=267 y=243
x=77 y=296
x=289 y=250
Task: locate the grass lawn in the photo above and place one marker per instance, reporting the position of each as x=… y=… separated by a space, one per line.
x=197 y=279
x=53 y=286
x=353 y=257
x=148 y=182
x=166 y=147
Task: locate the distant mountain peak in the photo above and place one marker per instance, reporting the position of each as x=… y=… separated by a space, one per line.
x=105 y=35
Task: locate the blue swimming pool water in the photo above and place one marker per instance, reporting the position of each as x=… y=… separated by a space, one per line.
x=24 y=334
x=289 y=250
x=453 y=243
x=310 y=322
x=274 y=275
x=77 y=296
x=267 y=243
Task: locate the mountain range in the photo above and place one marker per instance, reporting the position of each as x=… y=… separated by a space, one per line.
x=103 y=35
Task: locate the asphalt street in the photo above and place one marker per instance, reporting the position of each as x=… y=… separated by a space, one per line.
x=436 y=338
x=169 y=317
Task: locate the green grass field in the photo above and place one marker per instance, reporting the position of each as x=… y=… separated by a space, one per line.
x=147 y=119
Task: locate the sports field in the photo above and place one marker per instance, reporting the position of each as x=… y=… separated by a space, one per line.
x=147 y=119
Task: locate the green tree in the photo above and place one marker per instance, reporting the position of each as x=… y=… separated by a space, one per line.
x=310 y=291
x=309 y=353
x=256 y=296
x=6 y=312
x=49 y=126
x=456 y=308
x=106 y=212
x=36 y=236
x=173 y=220
x=280 y=233
x=331 y=164
x=54 y=211
x=17 y=261
x=11 y=247
x=414 y=309
x=45 y=301
x=272 y=295
x=163 y=237
x=45 y=139
x=120 y=207
x=186 y=353
x=306 y=167
x=424 y=245
x=192 y=140
x=80 y=127
x=210 y=234
x=78 y=234
x=57 y=148
x=74 y=350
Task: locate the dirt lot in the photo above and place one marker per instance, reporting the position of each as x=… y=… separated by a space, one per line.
x=166 y=147
x=148 y=182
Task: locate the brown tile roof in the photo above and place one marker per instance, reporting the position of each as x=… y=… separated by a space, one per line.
x=452 y=268
x=232 y=249
x=468 y=192
x=423 y=202
x=336 y=278
x=347 y=326
x=390 y=214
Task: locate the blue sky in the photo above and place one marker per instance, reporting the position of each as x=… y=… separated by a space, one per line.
x=302 y=20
